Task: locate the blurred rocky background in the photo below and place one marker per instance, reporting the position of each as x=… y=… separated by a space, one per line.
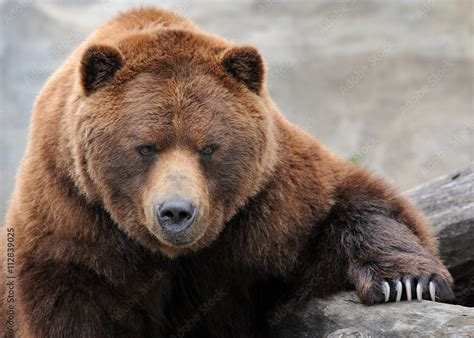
x=386 y=84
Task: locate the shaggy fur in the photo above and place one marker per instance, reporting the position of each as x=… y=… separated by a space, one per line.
x=277 y=212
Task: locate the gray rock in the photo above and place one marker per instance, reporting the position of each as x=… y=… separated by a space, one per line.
x=343 y=316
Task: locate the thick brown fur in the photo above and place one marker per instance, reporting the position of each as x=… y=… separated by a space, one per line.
x=277 y=211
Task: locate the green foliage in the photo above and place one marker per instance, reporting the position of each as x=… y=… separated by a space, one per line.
x=356 y=159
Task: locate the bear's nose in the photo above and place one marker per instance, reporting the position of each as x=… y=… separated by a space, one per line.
x=175 y=215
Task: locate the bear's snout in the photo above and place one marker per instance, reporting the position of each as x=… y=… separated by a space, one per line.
x=176 y=204
x=174 y=216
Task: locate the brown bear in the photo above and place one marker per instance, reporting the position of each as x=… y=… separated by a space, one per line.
x=163 y=194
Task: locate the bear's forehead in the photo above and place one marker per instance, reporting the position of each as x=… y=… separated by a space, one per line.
x=172 y=70
x=168 y=44
x=152 y=105
x=172 y=83
x=177 y=93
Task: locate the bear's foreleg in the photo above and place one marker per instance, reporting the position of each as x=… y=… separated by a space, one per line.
x=362 y=243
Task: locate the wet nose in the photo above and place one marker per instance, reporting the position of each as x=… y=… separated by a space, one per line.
x=175 y=215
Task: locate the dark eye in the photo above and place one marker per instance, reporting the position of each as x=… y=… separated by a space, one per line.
x=146 y=151
x=208 y=150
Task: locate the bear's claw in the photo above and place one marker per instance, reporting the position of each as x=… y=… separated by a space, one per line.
x=408 y=288
x=433 y=291
x=386 y=291
x=399 y=291
x=420 y=286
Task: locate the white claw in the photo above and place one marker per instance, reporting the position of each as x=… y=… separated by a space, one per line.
x=399 y=291
x=386 y=291
x=408 y=289
x=419 y=292
x=433 y=291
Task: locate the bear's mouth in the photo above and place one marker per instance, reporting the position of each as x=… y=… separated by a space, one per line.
x=182 y=239
x=174 y=248
x=179 y=241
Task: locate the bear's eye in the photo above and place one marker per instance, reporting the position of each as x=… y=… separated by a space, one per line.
x=208 y=150
x=146 y=151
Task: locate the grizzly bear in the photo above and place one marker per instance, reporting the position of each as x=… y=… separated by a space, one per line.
x=163 y=194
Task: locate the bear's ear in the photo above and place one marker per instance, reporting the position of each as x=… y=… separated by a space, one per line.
x=246 y=65
x=98 y=66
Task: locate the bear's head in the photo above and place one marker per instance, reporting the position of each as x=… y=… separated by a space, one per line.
x=172 y=135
